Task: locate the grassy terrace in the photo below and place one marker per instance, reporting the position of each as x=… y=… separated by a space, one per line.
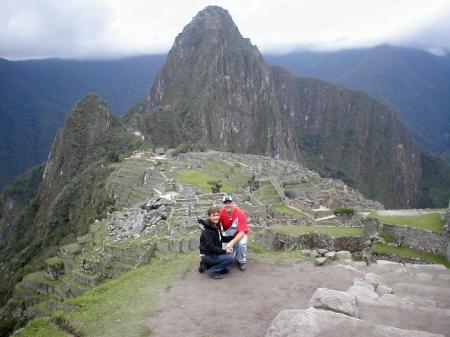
x=117 y=307
x=408 y=252
x=233 y=173
x=41 y=327
x=284 y=209
x=199 y=178
x=329 y=230
x=430 y=221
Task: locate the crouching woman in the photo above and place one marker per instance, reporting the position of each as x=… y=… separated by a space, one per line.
x=215 y=259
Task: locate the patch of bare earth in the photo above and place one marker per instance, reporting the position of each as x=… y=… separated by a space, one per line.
x=243 y=303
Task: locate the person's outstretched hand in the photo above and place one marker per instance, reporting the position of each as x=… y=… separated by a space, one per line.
x=229 y=250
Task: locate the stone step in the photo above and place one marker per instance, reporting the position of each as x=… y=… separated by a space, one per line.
x=89 y=280
x=441 y=295
x=314 y=322
x=430 y=319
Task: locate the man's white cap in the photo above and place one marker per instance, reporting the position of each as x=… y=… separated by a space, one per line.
x=227 y=198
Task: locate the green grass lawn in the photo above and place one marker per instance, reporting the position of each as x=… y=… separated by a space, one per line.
x=285 y=209
x=330 y=230
x=403 y=251
x=199 y=178
x=430 y=221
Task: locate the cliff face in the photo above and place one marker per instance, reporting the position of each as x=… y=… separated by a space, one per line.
x=216 y=89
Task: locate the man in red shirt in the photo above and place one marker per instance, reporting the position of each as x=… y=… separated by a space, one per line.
x=234 y=223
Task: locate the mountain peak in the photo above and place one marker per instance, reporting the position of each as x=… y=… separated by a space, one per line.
x=209 y=50
x=213 y=18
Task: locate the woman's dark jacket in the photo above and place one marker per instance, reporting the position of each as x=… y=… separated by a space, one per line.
x=211 y=239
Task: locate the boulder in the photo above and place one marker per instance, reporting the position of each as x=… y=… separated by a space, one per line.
x=337 y=301
x=314 y=253
x=322 y=252
x=330 y=256
x=363 y=283
x=343 y=254
x=306 y=252
x=363 y=294
x=320 y=261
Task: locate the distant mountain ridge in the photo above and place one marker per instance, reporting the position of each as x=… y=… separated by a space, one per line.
x=36 y=94
x=414 y=83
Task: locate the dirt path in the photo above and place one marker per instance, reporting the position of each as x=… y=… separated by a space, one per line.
x=243 y=303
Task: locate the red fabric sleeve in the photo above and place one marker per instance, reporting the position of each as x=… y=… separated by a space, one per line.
x=242 y=224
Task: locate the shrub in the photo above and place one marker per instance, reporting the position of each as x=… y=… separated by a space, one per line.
x=215 y=185
x=253 y=183
x=341 y=211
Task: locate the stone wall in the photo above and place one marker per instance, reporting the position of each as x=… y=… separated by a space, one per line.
x=419 y=239
x=446 y=233
x=280 y=241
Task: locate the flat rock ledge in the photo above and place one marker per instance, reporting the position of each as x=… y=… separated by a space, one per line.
x=314 y=322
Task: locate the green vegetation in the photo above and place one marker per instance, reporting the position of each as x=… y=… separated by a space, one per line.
x=285 y=209
x=408 y=252
x=41 y=327
x=341 y=211
x=252 y=183
x=118 y=307
x=388 y=237
x=329 y=230
x=216 y=185
x=199 y=178
x=260 y=253
x=431 y=221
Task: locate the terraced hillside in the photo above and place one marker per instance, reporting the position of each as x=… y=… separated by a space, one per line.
x=156 y=202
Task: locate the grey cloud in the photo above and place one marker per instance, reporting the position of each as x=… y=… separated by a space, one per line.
x=33 y=29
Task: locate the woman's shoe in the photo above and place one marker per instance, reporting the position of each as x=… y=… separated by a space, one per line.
x=201 y=267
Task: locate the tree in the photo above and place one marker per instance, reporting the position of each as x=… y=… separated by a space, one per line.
x=215 y=185
x=253 y=183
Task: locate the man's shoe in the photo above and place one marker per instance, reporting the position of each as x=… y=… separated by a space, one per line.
x=243 y=266
x=225 y=271
x=201 y=267
x=216 y=276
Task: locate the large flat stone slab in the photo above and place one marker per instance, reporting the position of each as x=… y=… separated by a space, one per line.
x=334 y=300
x=321 y=323
x=429 y=319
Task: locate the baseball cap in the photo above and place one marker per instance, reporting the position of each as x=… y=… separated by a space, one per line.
x=227 y=198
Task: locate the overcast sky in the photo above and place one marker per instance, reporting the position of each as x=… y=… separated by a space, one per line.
x=117 y=28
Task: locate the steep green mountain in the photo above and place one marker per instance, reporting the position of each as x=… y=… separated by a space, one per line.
x=216 y=89
x=414 y=83
x=54 y=204
x=36 y=94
